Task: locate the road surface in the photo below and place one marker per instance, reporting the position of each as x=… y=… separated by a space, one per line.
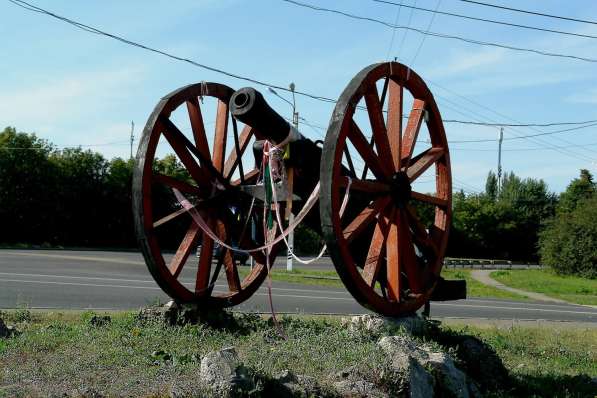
x=119 y=280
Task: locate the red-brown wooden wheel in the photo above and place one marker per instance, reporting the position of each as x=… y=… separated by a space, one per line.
x=388 y=258
x=211 y=184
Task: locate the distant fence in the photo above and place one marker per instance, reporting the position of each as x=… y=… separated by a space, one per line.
x=487 y=264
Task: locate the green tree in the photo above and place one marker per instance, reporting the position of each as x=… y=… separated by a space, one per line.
x=27 y=180
x=580 y=188
x=569 y=242
x=491 y=186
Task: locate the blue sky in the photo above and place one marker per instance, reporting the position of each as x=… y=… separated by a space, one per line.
x=76 y=88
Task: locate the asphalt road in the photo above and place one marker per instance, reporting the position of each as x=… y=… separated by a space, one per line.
x=119 y=280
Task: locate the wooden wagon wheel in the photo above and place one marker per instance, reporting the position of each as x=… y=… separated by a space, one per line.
x=211 y=184
x=387 y=258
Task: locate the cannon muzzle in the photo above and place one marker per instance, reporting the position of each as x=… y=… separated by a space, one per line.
x=248 y=106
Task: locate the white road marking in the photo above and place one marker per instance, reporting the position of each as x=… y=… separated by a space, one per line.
x=188 y=281
x=81 y=258
x=512 y=308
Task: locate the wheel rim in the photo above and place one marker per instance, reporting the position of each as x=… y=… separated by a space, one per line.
x=388 y=259
x=210 y=184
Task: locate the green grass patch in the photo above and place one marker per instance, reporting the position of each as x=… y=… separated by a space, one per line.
x=570 y=288
x=64 y=352
x=475 y=288
x=303 y=276
x=545 y=361
x=330 y=278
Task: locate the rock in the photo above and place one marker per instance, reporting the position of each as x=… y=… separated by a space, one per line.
x=482 y=363
x=448 y=378
x=287 y=384
x=223 y=373
x=379 y=325
x=7 y=331
x=98 y=320
x=417 y=381
x=352 y=384
x=4 y=330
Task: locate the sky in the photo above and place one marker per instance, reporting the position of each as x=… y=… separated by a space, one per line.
x=73 y=87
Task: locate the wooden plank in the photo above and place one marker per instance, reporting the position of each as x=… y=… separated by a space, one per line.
x=220 y=136
x=423 y=162
x=188 y=244
x=412 y=130
x=394 y=123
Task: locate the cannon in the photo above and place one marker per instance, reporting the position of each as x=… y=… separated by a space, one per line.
x=387 y=243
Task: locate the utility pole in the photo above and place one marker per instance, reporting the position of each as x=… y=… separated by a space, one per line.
x=290 y=172
x=132 y=137
x=499 y=169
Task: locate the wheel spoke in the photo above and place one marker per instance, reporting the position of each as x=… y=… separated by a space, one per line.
x=198 y=127
x=372 y=186
x=364 y=149
x=395 y=122
x=174 y=183
x=251 y=175
x=375 y=254
x=184 y=249
x=205 y=258
x=364 y=218
x=393 y=257
x=412 y=130
x=229 y=265
x=378 y=126
x=419 y=231
x=423 y=161
x=178 y=142
x=220 y=136
x=235 y=157
x=434 y=200
x=349 y=161
x=408 y=258
x=169 y=217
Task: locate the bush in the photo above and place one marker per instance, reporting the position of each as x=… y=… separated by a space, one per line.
x=568 y=244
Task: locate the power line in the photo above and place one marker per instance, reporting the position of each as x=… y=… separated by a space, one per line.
x=527 y=136
x=521 y=149
x=529 y=12
x=90 y=29
x=518 y=124
x=412 y=62
x=94 y=30
x=440 y=35
x=505 y=23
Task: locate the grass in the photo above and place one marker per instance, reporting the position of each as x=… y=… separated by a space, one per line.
x=59 y=352
x=570 y=288
x=475 y=288
x=331 y=279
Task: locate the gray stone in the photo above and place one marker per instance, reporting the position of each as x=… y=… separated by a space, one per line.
x=287 y=384
x=448 y=378
x=223 y=373
x=351 y=384
x=4 y=330
x=379 y=325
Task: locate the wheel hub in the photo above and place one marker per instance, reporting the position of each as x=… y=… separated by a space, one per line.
x=400 y=189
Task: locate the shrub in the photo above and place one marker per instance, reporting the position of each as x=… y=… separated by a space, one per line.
x=568 y=244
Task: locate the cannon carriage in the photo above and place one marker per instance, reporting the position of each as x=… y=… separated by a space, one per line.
x=386 y=239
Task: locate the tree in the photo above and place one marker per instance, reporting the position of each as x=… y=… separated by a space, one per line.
x=27 y=180
x=579 y=189
x=569 y=242
x=491 y=186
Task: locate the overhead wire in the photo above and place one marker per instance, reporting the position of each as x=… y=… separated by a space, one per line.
x=505 y=23
x=94 y=30
x=412 y=62
x=541 y=14
x=28 y=6
x=440 y=35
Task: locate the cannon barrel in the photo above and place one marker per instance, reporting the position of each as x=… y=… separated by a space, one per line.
x=248 y=106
